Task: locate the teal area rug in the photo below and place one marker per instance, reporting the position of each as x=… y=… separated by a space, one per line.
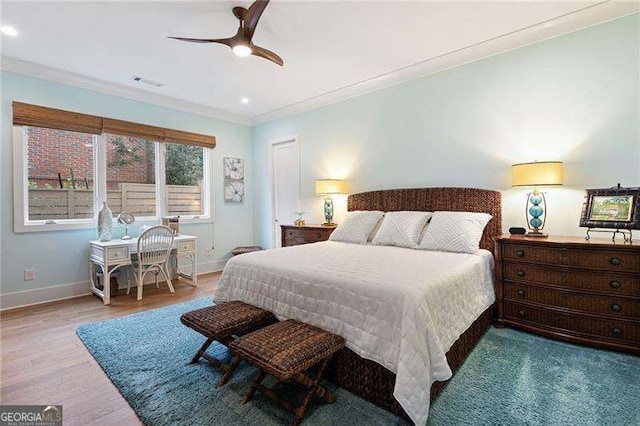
x=510 y=378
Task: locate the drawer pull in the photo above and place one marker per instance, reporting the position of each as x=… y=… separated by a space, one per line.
x=291 y=234
x=520 y=253
x=520 y=293
x=522 y=313
x=614 y=261
x=319 y=235
x=615 y=331
x=616 y=308
x=521 y=273
x=614 y=284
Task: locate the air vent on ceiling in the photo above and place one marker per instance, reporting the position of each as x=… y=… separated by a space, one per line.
x=142 y=80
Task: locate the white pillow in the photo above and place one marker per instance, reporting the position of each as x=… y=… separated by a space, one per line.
x=401 y=229
x=458 y=232
x=357 y=227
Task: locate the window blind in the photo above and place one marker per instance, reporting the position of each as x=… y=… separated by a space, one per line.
x=39 y=116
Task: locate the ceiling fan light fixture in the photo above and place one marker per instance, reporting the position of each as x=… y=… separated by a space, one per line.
x=242 y=50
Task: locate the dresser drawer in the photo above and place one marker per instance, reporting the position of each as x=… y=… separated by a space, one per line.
x=611 y=283
x=528 y=253
x=295 y=241
x=314 y=235
x=539 y=274
x=607 y=260
x=611 y=329
x=291 y=233
x=595 y=304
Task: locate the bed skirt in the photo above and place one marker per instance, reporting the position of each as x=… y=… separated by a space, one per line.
x=375 y=383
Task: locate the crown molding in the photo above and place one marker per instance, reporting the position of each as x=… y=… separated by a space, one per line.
x=589 y=16
x=76 y=80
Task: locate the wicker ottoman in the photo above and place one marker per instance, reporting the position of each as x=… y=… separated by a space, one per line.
x=286 y=350
x=221 y=323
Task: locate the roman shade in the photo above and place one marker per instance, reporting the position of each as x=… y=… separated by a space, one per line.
x=39 y=116
x=33 y=115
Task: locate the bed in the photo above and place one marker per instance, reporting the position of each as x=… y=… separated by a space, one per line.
x=410 y=317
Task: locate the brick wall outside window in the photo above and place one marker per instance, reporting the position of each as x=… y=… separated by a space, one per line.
x=58 y=151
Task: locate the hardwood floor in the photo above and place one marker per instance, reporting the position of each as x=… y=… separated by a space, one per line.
x=44 y=362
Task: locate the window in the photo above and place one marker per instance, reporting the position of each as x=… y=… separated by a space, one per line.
x=66 y=167
x=184 y=167
x=131 y=175
x=59 y=174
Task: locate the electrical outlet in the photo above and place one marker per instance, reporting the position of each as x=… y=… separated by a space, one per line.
x=29 y=274
x=207 y=252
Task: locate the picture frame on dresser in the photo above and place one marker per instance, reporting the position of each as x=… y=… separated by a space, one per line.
x=615 y=210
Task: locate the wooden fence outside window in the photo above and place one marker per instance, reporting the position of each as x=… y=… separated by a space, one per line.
x=135 y=198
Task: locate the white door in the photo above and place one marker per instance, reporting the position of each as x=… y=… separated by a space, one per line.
x=286 y=185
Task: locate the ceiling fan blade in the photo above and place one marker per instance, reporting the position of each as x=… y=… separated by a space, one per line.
x=252 y=16
x=266 y=54
x=225 y=41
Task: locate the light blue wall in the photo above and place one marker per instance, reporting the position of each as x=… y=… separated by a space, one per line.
x=61 y=257
x=574 y=98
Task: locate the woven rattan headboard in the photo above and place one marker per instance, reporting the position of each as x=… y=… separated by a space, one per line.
x=436 y=199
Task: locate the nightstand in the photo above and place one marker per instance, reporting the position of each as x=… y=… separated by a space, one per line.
x=293 y=235
x=570 y=289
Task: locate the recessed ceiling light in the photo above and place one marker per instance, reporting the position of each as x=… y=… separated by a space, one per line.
x=9 y=30
x=244 y=100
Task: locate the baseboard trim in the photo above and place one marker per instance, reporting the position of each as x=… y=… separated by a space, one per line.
x=38 y=296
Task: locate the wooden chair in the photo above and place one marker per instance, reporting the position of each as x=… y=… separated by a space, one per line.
x=286 y=350
x=154 y=248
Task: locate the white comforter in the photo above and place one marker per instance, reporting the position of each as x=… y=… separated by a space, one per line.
x=399 y=307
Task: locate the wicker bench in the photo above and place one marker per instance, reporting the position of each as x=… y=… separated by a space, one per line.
x=221 y=323
x=286 y=350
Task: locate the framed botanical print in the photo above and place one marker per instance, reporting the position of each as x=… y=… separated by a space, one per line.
x=233 y=168
x=233 y=191
x=233 y=180
x=611 y=208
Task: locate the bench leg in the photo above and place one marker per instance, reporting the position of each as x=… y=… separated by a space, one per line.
x=249 y=396
x=229 y=371
x=314 y=389
x=201 y=351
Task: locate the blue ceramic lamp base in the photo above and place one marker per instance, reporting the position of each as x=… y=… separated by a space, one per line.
x=537 y=210
x=328 y=212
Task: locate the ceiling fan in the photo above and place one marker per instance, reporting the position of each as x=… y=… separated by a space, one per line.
x=241 y=43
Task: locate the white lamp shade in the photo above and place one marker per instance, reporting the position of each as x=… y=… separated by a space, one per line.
x=330 y=186
x=544 y=173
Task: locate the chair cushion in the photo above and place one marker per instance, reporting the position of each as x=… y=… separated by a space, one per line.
x=227 y=319
x=287 y=348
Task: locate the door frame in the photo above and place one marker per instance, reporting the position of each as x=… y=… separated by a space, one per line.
x=295 y=139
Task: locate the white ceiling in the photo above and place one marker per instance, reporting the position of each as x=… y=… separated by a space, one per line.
x=328 y=47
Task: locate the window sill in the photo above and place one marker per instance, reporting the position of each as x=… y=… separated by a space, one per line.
x=92 y=224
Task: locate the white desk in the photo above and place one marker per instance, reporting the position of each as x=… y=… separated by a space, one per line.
x=114 y=254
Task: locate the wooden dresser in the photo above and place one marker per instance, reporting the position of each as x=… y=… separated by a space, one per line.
x=293 y=235
x=570 y=289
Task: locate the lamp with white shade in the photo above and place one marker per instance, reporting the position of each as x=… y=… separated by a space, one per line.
x=536 y=174
x=329 y=187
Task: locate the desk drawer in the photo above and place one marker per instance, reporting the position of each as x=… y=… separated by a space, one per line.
x=115 y=254
x=538 y=274
x=186 y=246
